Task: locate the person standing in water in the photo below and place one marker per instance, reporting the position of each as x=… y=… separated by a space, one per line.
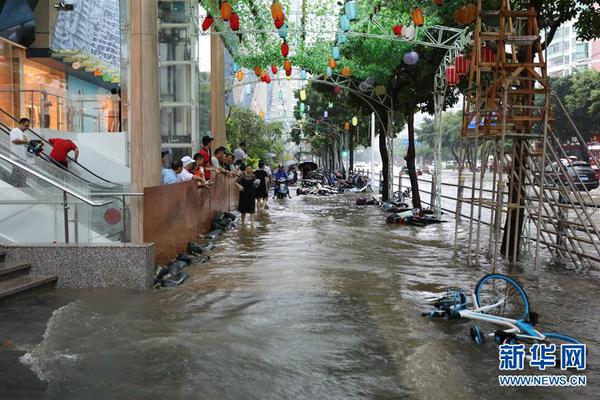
x=247 y=203
x=262 y=192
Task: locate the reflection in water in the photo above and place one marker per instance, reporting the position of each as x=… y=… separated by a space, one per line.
x=319 y=301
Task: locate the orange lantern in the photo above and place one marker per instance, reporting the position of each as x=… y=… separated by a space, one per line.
x=287 y=65
x=417 y=16
x=97 y=72
x=276 y=10
x=285 y=49
x=240 y=75
x=465 y=15
x=462 y=64
x=225 y=10
x=347 y=126
x=452 y=76
x=346 y=71
x=332 y=63
x=258 y=70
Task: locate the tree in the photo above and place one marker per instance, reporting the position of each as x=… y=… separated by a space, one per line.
x=451 y=139
x=261 y=138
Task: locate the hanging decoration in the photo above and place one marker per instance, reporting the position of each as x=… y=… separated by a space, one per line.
x=350 y=10
x=330 y=105
x=267 y=79
x=285 y=49
x=274 y=69
x=258 y=70
x=325 y=114
x=452 y=76
x=248 y=90
x=287 y=65
x=234 y=22
x=346 y=71
x=341 y=38
x=488 y=55
x=465 y=15
x=225 y=10
x=240 y=75
x=328 y=72
x=76 y=65
x=397 y=29
x=417 y=16
x=302 y=108
x=263 y=76
x=462 y=64
x=282 y=32
x=332 y=63
x=344 y=23
x=303 y=74
x=303 y=95
x=439 y=3
x=337 y=90
x=279 y=22
x=408 y=32
x=354 y=121
x=276 y=10
x=261 y=114
x=288 y=73
x=97 y=72
x=411 y=58
x=235 y=67
x=207 y=23
x=335 y=52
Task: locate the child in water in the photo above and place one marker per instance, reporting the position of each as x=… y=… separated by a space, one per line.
x=247 y=204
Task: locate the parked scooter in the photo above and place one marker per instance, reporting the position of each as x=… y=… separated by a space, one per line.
x=282 y=190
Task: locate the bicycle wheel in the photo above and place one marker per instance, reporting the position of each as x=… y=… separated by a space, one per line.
x=496 y=288
x=559 y=338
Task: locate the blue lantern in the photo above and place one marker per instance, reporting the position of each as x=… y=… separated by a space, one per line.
x=350 y=10
x=341 y=38
x=302 y=108
x=303 y=74
x=411 y=58
x=335 y=53
x=329 y=71
x=344 y=23
x=235 y=67
x=248 y=90
x=282 y=32
x=325 y=114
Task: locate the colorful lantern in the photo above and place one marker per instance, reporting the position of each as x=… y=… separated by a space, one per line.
x=354 y=121
x=350 y=10
x=346 y=126
x=337 y=90
x=302 y=108
x=303 y=74
x=417 y=16
x=207 y=23
x=285 y=49
x=341 y=38
x=465 y=15
x=335 y=53
x=330 y=105
x=380 y=90
x=274 y=69
x=346 y=71
x=344 y=23
x=287 y=65
x=408 y=32
x=235 y=67
x=332 y=63
x=258 y=70
x=267 y=79
x=279 y=22
x=288 y=73
x=303 y=95
x=97 y=72
x=325 y=114
x=276 y=10
x=462 y=64
x=234 y=22
x=76 y=65
x=263 y=76
x=282 y=32
x=487 y=55
x=411 y=58
x=240 y=75
x=439 y=3
x=397 y=29
x=452 y=76
x=225 y=10
x=261 y=114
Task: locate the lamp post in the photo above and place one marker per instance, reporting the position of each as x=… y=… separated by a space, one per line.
x=351 y=144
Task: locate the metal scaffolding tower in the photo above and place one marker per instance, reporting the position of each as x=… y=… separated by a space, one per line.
x=522 y=190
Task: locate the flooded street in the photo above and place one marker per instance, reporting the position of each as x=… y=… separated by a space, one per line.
x=320 y=301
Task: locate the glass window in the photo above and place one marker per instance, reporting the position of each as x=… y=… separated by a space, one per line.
x=175 y=83
x=174 y=45
x=175 y=124
x=173 y=11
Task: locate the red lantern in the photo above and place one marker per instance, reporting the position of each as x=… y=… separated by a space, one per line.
x=225 y=10
x=462 y=64
x=452 y=76
x=267 y=79
x=279 y=22
x=439 y=3
x=397 y=30
x=332 y=63
x=288 y=72
x=287 y=65
x=285 y=49
x=337 y=90
x=234 y=22
x=207 y=23
x=263 y=76
x=274 y=69
x=487 y=55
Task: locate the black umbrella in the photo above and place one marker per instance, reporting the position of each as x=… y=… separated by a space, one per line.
x=311 y=165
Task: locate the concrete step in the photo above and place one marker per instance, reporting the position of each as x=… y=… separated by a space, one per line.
x=12 y=270
x=25 y=284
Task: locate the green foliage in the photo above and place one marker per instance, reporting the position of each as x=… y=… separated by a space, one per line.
x=451 y=127
x=243 y=125
x=580 y=93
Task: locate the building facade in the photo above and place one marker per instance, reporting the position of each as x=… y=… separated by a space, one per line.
x=567 y=54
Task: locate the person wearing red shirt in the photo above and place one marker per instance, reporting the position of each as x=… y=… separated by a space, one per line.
x=207 y=156
x=61 y=149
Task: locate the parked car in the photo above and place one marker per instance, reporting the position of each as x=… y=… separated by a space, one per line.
x=405 y=171
x=580 y=173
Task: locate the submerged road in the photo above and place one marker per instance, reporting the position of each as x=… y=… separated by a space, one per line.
x=320 y=301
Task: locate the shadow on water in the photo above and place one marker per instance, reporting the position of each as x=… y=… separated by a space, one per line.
x=320 y=300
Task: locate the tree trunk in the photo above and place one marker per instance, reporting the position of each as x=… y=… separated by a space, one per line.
x=411 y=159
x=385 y=164
x=351 y=150
x=513 y=226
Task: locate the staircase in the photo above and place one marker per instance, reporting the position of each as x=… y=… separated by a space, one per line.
x=15 y=279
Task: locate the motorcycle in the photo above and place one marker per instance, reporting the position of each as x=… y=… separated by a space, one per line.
x=282 y=191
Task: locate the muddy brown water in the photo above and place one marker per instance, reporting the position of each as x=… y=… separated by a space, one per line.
x=320 y=301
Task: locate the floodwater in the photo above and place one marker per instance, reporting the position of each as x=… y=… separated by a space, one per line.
x=320 y=301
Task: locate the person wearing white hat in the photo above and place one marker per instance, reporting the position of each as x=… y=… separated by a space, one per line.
x=186 y=174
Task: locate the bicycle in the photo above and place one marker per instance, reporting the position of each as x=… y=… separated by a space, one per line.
x=500 y=301
x=399 y=196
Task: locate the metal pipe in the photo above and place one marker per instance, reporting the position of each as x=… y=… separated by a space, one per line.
x=66 y=216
